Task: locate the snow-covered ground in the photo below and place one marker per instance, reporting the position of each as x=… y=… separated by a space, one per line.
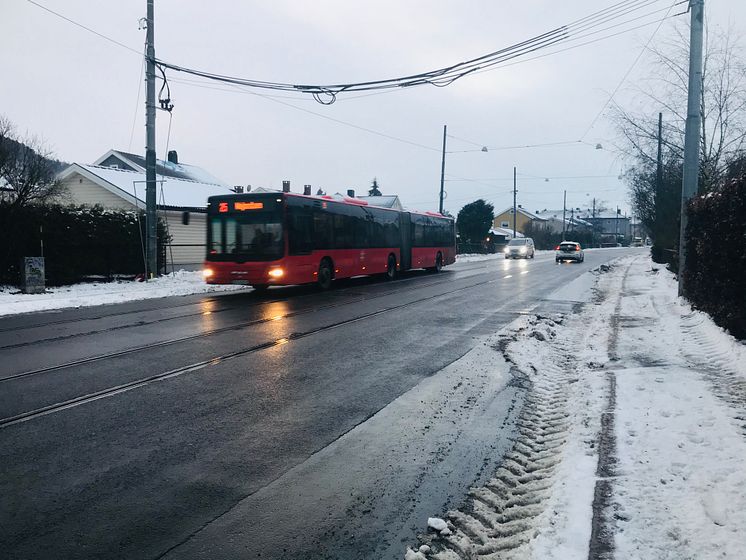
x=178 y=283
x=632 y=441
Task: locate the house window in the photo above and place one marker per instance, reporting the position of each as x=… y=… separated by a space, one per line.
x=504 y=224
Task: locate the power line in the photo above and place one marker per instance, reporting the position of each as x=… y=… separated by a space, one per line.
x=137 y=103
x=629 y=70
x=443 y=76
x=101 y=35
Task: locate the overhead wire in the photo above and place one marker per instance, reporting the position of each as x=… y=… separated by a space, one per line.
x=632 y=66
x=137 y=103
x=72 y=21
x=326 y=94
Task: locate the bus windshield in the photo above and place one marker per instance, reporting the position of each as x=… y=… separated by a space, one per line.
x=251 y=237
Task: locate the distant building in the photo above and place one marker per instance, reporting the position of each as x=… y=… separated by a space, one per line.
x=556 y=223
x=117 y=180
x=523 y=217
x=501 y=236
x=607 y=223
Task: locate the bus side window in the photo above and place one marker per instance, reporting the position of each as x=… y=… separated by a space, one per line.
x=300 y=231
x=323 y=233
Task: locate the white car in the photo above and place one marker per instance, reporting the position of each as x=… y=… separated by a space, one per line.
x=569 y=251
x=522 y=248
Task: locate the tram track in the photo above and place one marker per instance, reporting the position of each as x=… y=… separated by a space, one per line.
x=213 y=299
x=196 y=366
x=204 y=334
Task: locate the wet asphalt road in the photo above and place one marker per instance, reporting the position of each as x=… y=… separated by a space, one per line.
x=248 y=425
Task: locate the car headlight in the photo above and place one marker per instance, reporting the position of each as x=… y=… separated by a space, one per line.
x=523 y=249
x=507 y=249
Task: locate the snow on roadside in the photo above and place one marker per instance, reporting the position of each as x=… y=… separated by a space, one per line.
x=474 y=257
x=681 y=492
x=178 y=283
x=632 y=438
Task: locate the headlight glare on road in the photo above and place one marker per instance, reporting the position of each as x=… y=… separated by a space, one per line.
x=276 y=273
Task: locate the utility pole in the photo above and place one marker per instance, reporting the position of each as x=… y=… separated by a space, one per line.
x=150 y=194
x=515 y=190
x=442 y=170
x=693 y=124
x=659 y=175
x=564 y=213
x=616 y=226
x=593 y=223
x=572 y=220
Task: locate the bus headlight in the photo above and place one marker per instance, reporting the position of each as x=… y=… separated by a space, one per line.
x=207 y=273
x=276 y=273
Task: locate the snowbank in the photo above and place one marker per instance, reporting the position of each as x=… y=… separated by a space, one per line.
x=180 y=283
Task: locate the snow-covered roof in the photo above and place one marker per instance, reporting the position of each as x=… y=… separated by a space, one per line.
x=523 y=211
x=385 y=201
x=603 y=216
x=570 y=216
x=163 y=168
x=130 y=185
x=505 y=231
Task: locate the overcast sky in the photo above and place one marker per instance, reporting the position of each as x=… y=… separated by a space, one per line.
x=85 y=95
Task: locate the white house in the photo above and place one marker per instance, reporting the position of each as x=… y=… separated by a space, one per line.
x=117 y=180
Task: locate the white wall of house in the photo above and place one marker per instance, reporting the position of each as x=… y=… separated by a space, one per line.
x=187 y=241
x=81 y=190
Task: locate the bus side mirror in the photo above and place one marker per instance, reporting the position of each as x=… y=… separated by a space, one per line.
x=185 y=218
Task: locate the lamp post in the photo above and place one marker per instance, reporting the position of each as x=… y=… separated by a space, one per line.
x=443 y=168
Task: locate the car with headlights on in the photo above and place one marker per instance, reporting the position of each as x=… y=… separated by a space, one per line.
x=522 y=248
x=569 y=251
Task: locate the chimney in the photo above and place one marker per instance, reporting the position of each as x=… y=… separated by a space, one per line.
x=286 y=186
x=173 y=157
x=238 y=189
x=307 y=189
x=351 y=193
x=248 y=188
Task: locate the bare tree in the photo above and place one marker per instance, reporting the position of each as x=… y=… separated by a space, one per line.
x=27 y=169
x=723 y=105
x=657 y=199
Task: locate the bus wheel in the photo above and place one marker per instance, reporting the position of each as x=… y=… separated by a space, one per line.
x=438 y=264
x=391 y=268
x=260 y=287
x=324 y=279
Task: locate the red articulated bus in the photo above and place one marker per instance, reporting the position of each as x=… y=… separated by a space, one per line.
x=275 y=239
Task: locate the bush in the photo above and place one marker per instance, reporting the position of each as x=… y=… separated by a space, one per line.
x=77 y=242
x=715 y=275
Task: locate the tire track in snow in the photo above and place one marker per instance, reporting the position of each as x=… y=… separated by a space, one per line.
x=498 y=519
x=727 y=379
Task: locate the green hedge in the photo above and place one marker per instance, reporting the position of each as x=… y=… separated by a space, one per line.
x=78 y=242
x=715 y=276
